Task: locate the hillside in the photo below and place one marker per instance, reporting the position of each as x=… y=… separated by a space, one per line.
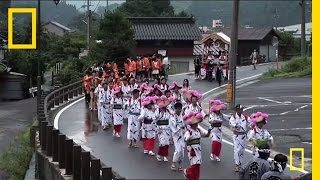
x=253 y=13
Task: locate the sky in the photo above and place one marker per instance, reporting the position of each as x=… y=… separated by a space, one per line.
x=94 y=3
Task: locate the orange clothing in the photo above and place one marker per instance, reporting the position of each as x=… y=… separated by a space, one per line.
x=139 y=65
x=146 y=63
x=133 y=65
x=160 y=63
x=115 y=67
x=155 y=65
x=86 y=83
x=130 y=68
x=126 y=68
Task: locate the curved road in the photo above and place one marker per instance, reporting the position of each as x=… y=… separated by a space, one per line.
x=82 y=126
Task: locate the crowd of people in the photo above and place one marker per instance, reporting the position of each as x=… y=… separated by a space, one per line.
x=170 y=114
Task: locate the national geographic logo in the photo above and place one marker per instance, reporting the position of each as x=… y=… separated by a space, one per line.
x=11 y=12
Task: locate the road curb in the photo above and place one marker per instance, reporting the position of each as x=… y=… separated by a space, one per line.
x=227 y=133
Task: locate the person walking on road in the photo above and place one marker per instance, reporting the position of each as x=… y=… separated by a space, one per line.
x=277 y=166
x=177 y=127
x=163 y=128
x=215 y=119
x=239 y=123
x=258 y=134
x=219 y=74
x=254 y=58
x=192 y=138
x=134 y=106
x=256 y=167
x=148 y=129
x=197 y=67
x=118 y=105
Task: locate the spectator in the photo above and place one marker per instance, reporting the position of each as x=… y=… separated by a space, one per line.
x=254 y=57
x=166 y=66
x=219 y=74
x=197 y=67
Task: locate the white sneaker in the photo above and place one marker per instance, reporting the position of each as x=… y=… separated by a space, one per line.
x=218 y=159
x=145 y=152
x=185 y=173
x=158 y=157
x=117 y=135
x=212 y=158
x=113 y=133
x=165 y=159
x=151 y=153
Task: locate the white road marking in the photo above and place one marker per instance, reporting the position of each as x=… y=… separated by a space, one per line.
x=250 y=107
x=267 y=99
x=307 y=143
x=291 y=129
x=300 y=108
x=284 y=113
x=227 y=84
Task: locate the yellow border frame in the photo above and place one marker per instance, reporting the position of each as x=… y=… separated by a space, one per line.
x=33 y=11
x=292 y=168
x=315 y=88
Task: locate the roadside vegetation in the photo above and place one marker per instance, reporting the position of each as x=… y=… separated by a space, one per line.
x=296 y=67
x=16 y=158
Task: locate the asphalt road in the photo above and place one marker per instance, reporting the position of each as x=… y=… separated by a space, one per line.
x=289 y=104
x=81 y=125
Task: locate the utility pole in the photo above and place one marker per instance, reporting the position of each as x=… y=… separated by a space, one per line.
x=88 y=24
x=303 y=28
x=231 y=94
x=39 y=53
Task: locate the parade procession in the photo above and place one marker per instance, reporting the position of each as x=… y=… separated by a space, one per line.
x=162 y=116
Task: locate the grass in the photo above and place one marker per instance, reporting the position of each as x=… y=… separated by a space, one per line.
x=15 y=160
x=296 y=67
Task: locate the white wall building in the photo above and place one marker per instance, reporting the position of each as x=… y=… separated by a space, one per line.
x=296 y=30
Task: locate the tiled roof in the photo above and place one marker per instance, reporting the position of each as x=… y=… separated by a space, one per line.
x=59 y=25
x=248 y=33
x=165 y=28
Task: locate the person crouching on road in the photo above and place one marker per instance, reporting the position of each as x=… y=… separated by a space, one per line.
x=178 y=129
x=118 y=111
x=239 y=124
x=215 y=119
x=192 y=138
x=256 y=167
x=258 y=134
x=148 y=129
x=163 y=128
x=134 y=106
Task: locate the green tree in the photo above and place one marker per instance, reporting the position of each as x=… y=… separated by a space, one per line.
x=117 y=37
x=288 y=45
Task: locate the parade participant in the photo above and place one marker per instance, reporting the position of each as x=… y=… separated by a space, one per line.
x=167 y=93
x=164 y=86
x=277 y=169
x=146 y=67
x=93 y=85
x=118 y=105
x=157 y=90
x=239 y=123
x=186 y=85
x=215 y=120
x=156 y=82
x=139 y=71
x=256 y=167
x=99 y=94
x=163 y=128
x=126 y=68
x=155 y=68
x=148 y=129
x=106 y=111
x=133 y=85
x=194 y=106
x=125 y=88
x=258 y=134
x=177 y=127
x=133 y=67
x=86 y=82
x=192 y=138
x=175 y=87
x=134 y=106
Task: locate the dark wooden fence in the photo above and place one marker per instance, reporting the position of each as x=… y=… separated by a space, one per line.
x=53 y=143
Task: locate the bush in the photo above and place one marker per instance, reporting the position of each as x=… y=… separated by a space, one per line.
x=15 y=160
x=296 y=67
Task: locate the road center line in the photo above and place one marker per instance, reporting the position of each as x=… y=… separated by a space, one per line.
x=301 y=107
x=266 y=99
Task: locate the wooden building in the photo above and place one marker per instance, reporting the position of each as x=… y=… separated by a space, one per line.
x=173 y=35
x=261 y=39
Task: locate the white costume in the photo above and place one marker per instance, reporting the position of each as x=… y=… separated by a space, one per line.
x=126 y=96
x=177 y=127
x=215 y=124
x=134 y=106
x=106 y=111
x=163 y=128
x=192 y=137
x=197 y=109
x=239 y=125
x=259 y=134
x=118 y=110
x=179 y=98
x=98 y=92
x=148 y=129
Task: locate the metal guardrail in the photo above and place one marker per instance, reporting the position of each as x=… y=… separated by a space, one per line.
x=77 y=162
